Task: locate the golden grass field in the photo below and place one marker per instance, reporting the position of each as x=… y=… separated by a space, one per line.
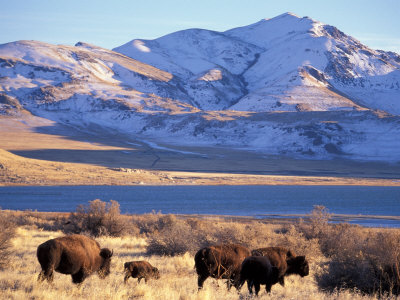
x=36 y=151
x=178 y=278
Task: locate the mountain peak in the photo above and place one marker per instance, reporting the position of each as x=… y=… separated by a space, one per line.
x=285 y=15
x=287 y=86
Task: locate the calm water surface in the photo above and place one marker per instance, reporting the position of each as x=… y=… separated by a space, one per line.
x=226 y=200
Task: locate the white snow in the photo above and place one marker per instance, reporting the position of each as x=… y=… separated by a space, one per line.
x=268 y=87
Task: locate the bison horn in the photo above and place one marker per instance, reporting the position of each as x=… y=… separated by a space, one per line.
x=112 y=252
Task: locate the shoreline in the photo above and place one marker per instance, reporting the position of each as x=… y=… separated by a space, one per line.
x=281 y=219
x=59 y=155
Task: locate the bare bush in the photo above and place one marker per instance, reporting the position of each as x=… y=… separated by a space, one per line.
x=43 y=220
x=97 y=218
x=317 y=224
x=360 y=258
x=173 y=235
x=7 y=232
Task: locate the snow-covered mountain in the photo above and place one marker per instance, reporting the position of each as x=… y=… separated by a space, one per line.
x=286 y=85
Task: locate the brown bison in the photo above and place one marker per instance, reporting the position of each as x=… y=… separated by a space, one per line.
x=139 y=270
x=220 y=262
x=285 y=260
x=257 y=270
x=76 y=255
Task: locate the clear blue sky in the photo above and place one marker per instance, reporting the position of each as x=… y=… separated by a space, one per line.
x=111 y=23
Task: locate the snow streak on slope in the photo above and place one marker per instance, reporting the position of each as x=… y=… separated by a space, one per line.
x=284 y=63
x=287 y=86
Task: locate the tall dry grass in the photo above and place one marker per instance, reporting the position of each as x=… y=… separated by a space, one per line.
x=366 y=259
x=178 y=278
x=7 y=232
x=346 y=262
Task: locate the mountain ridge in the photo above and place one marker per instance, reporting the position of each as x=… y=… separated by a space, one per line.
x=283 y=86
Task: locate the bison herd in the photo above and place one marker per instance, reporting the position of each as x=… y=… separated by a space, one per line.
x=81 y=256
x=238 y=264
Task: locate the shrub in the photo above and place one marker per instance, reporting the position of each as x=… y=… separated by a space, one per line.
x=7 y=232
x=172 y=235
x=97 y=218
x=360 y=258
x=41 y=220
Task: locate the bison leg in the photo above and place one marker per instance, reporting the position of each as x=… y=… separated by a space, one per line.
x=240 y=284
x=47 y=271
x=257 y=287
x=282 y=281
x=79 y=277
x=127 y=275
x=46 y=274
x=250 y=286
x=200 y=281
x=268 y=288
x=41 y=276
x=229 y=284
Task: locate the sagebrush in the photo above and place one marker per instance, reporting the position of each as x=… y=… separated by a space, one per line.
x=7 y=232
x=97 y=218
x=342 y=256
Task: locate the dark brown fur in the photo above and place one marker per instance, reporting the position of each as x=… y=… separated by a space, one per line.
x=285 y=260
x=76 y=255
x=139 y=270
x=220 y=262
x=257 y=270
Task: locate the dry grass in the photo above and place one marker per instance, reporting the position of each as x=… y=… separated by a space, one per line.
x=178 y=277
x=367 y=259
x=7 y=232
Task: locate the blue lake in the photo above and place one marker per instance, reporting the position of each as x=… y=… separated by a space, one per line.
x=218 y=200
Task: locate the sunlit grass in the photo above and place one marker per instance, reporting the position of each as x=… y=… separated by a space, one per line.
x=178 y=277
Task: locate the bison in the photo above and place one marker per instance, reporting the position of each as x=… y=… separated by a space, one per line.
x=220 y=262
x=257 y=270
x=139 y=270
x=285 y=260
x=75 y=255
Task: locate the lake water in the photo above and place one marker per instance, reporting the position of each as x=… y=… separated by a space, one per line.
x=218 y=200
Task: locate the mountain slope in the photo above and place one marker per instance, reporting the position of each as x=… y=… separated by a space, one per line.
x=284 y=86
x=285 y=63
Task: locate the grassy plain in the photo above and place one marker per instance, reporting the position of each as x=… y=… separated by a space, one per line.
x=178 y=277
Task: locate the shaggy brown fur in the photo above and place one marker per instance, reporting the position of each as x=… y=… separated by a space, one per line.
x=285 y=260
x=139 y=270
x=77 y=255
x=220 y=262
x=278 y=257
x=257 y=270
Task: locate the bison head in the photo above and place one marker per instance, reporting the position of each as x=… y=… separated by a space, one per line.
x=106 y=255
x=156 y=273
x=300 y=265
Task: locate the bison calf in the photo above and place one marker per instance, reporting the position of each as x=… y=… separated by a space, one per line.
x=76 y=255
x=139 y=270
x=220 y=262
x=257 y=270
